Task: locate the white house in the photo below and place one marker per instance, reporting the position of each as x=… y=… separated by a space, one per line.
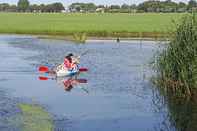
x=102 y=10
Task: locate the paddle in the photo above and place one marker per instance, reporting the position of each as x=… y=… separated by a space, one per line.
x=45 y=69
x=83 y=69
x=84 y=53
x=42 y=78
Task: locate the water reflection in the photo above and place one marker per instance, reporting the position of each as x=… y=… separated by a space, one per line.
x=68 y=82
x=71 y=82
x=180 y=114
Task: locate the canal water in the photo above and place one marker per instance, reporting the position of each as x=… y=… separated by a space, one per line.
x=117 y=94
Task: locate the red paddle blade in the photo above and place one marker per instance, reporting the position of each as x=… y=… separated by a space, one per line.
x=43 y=69
x=82 y=80
x=43 y=78
x=83 y=69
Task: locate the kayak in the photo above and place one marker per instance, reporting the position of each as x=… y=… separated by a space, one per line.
x=62 y=71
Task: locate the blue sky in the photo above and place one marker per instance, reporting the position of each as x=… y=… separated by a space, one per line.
x=103 y=2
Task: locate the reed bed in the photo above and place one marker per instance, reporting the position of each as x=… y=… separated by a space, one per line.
x=176 y=66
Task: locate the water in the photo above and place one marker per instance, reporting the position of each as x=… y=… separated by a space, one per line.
x=118 y=95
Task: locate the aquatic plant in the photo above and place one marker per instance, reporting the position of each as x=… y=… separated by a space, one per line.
x=177 y=64
x=34 y=118
x=80 y=37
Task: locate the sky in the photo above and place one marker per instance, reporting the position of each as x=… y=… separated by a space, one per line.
x=98 y=2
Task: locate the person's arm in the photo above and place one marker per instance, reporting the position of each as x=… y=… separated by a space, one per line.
x=76 y=59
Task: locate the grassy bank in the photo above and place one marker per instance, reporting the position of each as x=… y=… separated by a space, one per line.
x=93 y=25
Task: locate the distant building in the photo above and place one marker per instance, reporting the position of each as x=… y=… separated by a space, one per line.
x=101 y=10
x=66 y=10
x=63 y=11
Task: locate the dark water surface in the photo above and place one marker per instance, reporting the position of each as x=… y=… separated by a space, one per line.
x=120 y=96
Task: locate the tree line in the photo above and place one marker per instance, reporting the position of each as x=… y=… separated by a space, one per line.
x=147 y=6
x=25 y=6
x=167 y=6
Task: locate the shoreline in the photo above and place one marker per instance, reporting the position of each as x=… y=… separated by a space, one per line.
x=88 y=38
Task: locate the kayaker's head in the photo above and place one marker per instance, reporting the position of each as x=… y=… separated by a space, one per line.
x=70 y=54
x=68 y=57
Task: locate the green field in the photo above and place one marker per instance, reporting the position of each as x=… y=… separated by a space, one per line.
x=98 y=25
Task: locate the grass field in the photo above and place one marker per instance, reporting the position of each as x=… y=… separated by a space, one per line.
x=123 y=25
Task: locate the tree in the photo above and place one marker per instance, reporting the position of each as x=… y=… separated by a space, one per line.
x=23 y=5
x=85 y=7
x=125 y=6
x=4 y=6
x=192 y=4
x=114 y=7
x=91 y=7
x=158 y=6
x=8 y=8
x=12 y=8
x=78 y=8
x=182 y=7
x=42 y=8
x=75 y=7
x=34 y=8
x=101 y=6
x=133 y=6
x=57 y=7
x=150 y=6
x=49 y=8
x=170 y=6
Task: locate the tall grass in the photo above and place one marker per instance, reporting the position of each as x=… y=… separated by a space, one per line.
x=177 y=65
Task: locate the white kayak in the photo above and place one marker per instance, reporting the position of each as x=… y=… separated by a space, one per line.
x=62 y=71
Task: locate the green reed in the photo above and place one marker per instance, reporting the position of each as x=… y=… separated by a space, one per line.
x=80 y=37
x=177 y=65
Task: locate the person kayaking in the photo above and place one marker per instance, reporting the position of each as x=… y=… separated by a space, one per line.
x=69 y=66
x=71 y=62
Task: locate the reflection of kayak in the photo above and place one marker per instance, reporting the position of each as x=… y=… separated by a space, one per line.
x=68 y=82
